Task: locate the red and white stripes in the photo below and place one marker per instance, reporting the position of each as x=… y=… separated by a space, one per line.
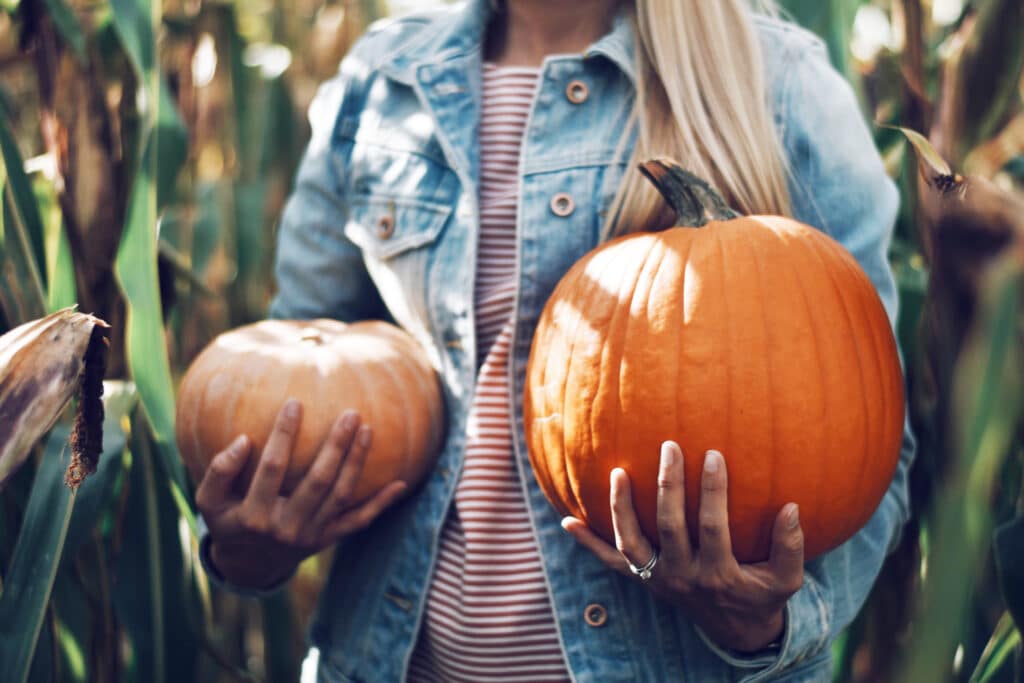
x=488 y=614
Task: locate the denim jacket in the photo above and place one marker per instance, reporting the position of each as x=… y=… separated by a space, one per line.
x=383 y=223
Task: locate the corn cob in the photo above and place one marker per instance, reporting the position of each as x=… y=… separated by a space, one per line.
x=42 y=364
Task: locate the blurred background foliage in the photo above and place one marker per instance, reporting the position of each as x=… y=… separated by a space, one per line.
x=147 y=151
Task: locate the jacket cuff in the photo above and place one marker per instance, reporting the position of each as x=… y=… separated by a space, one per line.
x=218 y=579
x=806 y=632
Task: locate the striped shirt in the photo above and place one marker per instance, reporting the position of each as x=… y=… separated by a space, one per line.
x=488 y=614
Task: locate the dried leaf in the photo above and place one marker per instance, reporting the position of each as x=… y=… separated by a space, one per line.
x=989 y=158
x=41 y=366
x=980 y=79
x=930 y=163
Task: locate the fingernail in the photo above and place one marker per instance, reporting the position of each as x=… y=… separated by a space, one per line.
x=348 y=421
x=291 y=408
x=238 y=444
x=712 y=462
x=668 y=454
x=364 y=436
x=793 y=516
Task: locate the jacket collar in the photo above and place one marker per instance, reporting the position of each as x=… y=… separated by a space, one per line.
x=459 y=32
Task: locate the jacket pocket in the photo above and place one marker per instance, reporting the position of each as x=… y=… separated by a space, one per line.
x=384 y=227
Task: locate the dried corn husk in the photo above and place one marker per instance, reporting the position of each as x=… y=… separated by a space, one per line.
x=42 y=364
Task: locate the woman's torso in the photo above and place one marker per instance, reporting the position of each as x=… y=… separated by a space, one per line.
x=403 y=148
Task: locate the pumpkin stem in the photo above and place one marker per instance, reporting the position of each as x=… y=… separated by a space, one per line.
x=311 y=334
x=695 y=202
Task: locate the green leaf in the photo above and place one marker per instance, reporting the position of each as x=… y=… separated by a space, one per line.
x=153 y=595
x=982 y=83
x=282 y=651
x=136 y=271
x=68 y=26
x=172 y=140
x=44 y=664
x=832 y=21
x=23 y=246
x=988 y=393
x=1009 y=551
x=136 y=264
x=74 y=625
x=134 y=22
x=138 y=595
x=62 y=287
x=248 y=290
x=53 y=528
x=998 y=652
x=36 y=557
x=183 y=615
x=182 y=269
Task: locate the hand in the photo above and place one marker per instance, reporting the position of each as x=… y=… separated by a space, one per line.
x=258 y=539
x=739 y=607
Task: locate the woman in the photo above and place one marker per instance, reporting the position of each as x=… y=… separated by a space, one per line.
x=460 y=163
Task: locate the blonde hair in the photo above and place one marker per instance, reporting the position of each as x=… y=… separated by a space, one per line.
x=701 y=99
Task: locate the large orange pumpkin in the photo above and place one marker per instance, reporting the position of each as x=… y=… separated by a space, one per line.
x=239 y=382
x=759 y=337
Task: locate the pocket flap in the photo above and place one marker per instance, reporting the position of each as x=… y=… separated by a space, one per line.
x=386 y=226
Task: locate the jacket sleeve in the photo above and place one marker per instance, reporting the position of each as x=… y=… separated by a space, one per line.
x=319 y=271
x=839 y=185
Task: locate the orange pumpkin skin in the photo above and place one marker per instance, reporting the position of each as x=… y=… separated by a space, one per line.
x=239 y=382
x=759 y=337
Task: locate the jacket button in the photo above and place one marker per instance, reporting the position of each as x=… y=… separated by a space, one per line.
x=577 y=92
x=385 y=226
x=595 y=615
x=562 y=205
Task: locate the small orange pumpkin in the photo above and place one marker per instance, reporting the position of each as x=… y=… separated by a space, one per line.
x=759 y=337
x=239 y=382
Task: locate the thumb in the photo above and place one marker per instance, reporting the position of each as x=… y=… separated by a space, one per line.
x=787 y=553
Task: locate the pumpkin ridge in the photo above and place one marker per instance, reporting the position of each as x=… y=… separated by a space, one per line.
x=231 y=410
x=362 y=385
x=389 y=370
x=624 y=345
x=648 y=281
x=880 y=345
x=763 y=286
x=192 y=437
x=407 y=378
x=611 y=357
x=721 y=242
x=677 y=350
x=879 y=410
x=193 y=430
x=593 y=292
x=871 y=426
x=563 y=447
x=876 y=411
x=534 y=391
x=815 y=248
x=572 y=505
x=821 y=478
